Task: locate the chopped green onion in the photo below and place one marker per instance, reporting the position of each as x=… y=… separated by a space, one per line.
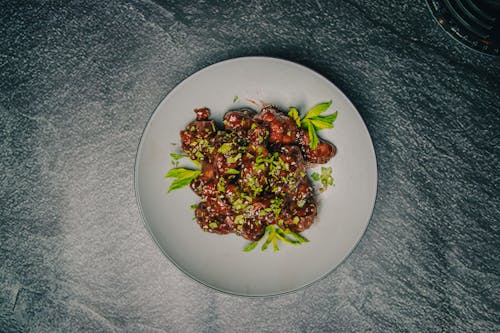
x=225 y=148
x=281 y=236
x=239 y=219
x=275 y=244
x=234 y=159
x=298 y=237
x=250 y=246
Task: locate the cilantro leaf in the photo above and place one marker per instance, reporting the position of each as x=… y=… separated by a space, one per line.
x=317 y=110
x=313 y=122
x=183 y=177
x=180 y=173
x=179 y=183
x=324 y=122
x=330 y=118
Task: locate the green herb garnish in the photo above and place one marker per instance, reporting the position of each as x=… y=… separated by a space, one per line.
x=234 y=159
x=225 y=148
x=199 y=155
x=250 y=246
x=281 y=235
x=183 y=177
x=221 y=185
x=301 y=239
x=235 y=98
x=313 y=136
x=213 y=225
x=313 y=122
x=271 y=232
x=294 y=114
x=177 y=157
x=325 y=178
x=232 y=172
x=274 y=234
x=239 y=219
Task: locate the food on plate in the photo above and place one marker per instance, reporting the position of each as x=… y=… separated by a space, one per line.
x=251 y=173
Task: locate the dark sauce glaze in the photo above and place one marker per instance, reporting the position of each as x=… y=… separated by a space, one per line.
x=253 y=171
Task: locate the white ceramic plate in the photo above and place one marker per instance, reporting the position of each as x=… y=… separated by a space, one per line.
x=219 y=261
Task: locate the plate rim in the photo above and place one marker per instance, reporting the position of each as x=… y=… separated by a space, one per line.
x=146 y=224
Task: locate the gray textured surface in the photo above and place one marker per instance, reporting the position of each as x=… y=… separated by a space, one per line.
x=78 y=81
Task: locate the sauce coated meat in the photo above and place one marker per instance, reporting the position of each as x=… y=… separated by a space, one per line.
x=253 y=172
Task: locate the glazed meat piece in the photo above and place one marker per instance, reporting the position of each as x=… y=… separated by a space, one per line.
x=292 y=155
x=323 y=152
x=226 y=162
x=289 y=174
x=282 y=129
x=258 y=134
x=302 y=224
x=227 y=153
x=207 y=176
x=202 y=113
x=210 y=222
x=251 y=230
x=197 y=136
x=218 y=205
x=239 y=121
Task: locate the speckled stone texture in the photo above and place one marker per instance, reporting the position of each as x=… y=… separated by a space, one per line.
x=78 y=82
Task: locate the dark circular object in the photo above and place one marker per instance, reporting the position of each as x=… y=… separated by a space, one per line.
x=475 y=23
